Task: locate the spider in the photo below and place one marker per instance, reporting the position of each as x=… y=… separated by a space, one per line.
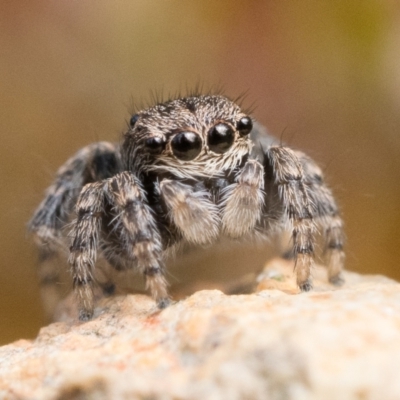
x=189 y=170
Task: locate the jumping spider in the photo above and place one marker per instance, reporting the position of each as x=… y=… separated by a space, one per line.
x=189 y=170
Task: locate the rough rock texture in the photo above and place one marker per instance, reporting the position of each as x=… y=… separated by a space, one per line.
x=274 y=344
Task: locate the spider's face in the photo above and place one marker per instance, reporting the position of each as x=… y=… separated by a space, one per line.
x=200 y=135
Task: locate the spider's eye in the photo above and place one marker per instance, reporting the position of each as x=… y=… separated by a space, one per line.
x=186 y=145
x=244 y=126
x=133 y=120
x=154 y=145
x=220 y=138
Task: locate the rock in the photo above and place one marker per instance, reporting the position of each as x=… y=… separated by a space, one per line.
x=331 y=343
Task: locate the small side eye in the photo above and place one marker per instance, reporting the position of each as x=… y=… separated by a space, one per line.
x=186 y=145
x=244 y=126
x=133 y=120
x=154 y=145
x=220 y=138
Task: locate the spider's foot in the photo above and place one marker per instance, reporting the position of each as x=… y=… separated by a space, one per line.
x=306 y=286
x=163 y=303
x=337 y=280
x=85 y=315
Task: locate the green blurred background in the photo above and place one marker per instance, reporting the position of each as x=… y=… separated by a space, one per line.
x=325 y=73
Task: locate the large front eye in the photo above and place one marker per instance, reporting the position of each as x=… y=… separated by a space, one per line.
x=186 y=145
x=244 y=126
x=220 y=138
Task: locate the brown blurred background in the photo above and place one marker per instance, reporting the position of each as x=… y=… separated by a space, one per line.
x=325 y=73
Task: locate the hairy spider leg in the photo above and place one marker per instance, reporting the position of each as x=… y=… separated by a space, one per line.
x=92 y=163
x=83 y=251
x=139 y=235
x=326 y=216
x=288 y=175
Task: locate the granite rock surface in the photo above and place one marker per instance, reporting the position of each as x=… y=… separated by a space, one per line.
x=331 y=343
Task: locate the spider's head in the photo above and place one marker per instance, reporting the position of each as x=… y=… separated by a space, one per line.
x=191 y=136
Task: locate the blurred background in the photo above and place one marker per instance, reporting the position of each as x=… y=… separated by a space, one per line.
x=324 y=74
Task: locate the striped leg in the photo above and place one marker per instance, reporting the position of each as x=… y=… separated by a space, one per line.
x=288 y=175
x=92 y=163
x=327 y=217
x=138 y=232
x=86 y=232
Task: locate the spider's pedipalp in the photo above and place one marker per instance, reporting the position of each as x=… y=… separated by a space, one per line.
x=288 y=175
x=195 y=215
x=242 y=201
x=138 y=233
x=326 y=216
x=83 y=252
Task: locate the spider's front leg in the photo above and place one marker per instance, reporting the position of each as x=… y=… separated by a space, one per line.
x=139 y=236
x=287 y=173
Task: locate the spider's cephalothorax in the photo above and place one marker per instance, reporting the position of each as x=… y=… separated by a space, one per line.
x=189 y=170
x=188 y=138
